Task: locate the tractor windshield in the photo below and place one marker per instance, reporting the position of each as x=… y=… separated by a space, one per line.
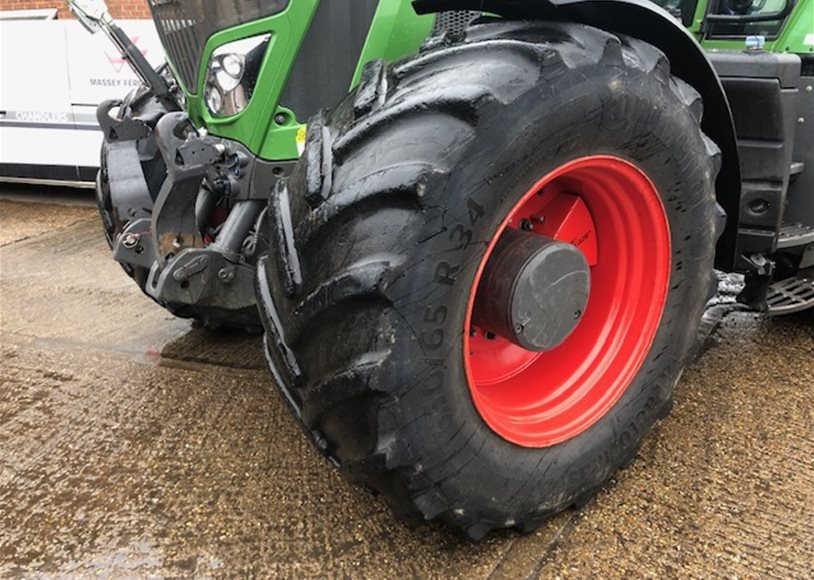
x=733 y=18
x=684 y=10
x=185 y=25
x=740 y=18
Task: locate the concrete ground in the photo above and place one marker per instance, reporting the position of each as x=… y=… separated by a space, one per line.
x=133 y=444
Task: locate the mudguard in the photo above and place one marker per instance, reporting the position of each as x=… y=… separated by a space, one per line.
x=648 y=22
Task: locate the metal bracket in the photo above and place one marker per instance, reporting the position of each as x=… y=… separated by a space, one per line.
x=125 y=129
x=129 y=191
x=187 y=157
x=202 y=277
x=758 y=282
x=133 y=247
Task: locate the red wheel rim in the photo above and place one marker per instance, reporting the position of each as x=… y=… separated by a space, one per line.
x=610 y=210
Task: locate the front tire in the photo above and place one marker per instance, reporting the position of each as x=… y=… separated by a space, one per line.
x=387 y=222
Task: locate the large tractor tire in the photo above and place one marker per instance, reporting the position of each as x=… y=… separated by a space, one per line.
x=428 y=314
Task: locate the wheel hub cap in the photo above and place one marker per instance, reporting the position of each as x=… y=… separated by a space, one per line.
x=533 y=291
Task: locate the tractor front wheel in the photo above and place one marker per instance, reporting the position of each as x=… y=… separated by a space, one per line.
x=492 y=263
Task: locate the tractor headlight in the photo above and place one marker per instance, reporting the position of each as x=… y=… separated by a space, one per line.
x=232 y=75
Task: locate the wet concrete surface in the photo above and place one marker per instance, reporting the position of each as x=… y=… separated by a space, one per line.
x=134 y=444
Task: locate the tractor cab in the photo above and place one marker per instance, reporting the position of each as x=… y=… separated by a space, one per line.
x=732 y=19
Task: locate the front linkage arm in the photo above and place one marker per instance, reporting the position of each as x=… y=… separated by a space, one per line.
x=187 y=268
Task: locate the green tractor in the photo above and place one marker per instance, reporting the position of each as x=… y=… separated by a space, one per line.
x=481 y=234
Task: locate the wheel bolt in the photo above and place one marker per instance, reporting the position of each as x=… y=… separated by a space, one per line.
x=130 y=241
x=526 y=225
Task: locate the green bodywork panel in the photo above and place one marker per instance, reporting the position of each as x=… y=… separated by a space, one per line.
x=396 y=32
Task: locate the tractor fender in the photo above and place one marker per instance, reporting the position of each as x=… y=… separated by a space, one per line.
x=646 y=21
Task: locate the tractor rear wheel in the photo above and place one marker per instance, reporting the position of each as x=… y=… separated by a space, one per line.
x=492 y=263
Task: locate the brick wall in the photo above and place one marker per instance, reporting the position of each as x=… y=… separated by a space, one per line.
x=118 y=8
